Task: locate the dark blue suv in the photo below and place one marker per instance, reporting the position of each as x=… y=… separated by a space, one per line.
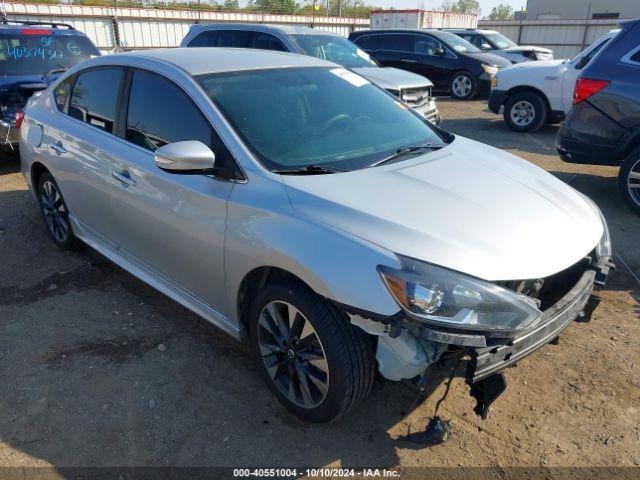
x=603 y=126
x=31 y=56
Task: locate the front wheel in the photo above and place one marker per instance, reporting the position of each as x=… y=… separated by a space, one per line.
x=463 y=85
x=315 y=362
x=525 y=112
x=629 y=180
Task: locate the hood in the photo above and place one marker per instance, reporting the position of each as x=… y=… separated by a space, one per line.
x=393 y=78
x=490 y=58
x=527 y=48
x=540 y=64
x=468 y=207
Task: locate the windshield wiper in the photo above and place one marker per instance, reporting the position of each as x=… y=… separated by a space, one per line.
x=309 y=170
x=401 y=152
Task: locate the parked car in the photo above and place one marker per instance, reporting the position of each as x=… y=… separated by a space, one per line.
x=414 y=90
x=299 y=206
x=536 y=93
x=32 y=54
x=450 y=62
x=496 y=43
x=603 y=127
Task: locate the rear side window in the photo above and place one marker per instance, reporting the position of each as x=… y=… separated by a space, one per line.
x=95 y=96
x=233 y=38
x=160 y=113
x=366 y=42
x=266 y=41
x=62 y=92
x=205 y=39
x=399 y=42
x=635 y=57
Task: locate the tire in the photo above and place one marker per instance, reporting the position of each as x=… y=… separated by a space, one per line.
x=525 y=112
x=335 y=383
x=463 y=85
x=629 y=180
x=55 y=213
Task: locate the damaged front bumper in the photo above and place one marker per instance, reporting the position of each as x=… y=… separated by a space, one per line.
x=406 y=348
x=498 y=355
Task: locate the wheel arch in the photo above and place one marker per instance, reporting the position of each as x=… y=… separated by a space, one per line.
x=253 y=281
x=528 y=88
x=36 y=171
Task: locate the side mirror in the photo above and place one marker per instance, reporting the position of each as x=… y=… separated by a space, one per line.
x=439 y=52
x=190 y=157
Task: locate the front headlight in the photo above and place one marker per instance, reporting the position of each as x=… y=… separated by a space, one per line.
x=446 y=298
x=395 y=93
x=490 y=70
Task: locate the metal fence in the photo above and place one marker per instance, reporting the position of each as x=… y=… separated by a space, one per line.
x=138 y=28
x=565 y=37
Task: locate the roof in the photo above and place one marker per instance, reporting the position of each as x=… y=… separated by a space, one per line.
x=201 y=60
x=16 y=26
x=286 y=29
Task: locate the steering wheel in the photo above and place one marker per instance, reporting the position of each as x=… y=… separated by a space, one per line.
x=334 y=122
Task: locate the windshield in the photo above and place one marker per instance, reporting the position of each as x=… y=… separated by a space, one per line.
x=458 y=44
x=330 y=117
x=28 y=54
x=334 y=49
x=499 y=41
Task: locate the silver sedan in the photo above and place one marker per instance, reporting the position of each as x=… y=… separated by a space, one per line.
x=296 y=205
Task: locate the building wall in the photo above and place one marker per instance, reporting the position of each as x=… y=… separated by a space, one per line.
x=580 y=9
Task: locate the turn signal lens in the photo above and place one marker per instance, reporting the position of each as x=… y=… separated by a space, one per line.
x=586 y=87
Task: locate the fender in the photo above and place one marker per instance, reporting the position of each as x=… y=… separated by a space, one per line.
x=263 y=231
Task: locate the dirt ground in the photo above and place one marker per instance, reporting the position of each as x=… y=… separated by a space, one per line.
x=84 y=383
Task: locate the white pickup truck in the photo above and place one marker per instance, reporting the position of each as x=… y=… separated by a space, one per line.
x=535 y=93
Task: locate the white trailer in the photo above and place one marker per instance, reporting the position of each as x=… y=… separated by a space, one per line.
x=392 y=19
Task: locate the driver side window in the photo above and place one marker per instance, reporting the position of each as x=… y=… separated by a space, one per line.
x=151 y=123
x=426 y=45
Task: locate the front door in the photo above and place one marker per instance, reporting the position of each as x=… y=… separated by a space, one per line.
x=172 y=224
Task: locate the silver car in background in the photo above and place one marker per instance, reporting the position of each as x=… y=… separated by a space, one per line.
x=294 y=204
x=415 y=90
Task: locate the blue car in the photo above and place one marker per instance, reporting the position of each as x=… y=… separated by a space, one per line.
x=603 y=126
x=31 y=56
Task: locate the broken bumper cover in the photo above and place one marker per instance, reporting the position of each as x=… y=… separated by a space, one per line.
x=494 y=358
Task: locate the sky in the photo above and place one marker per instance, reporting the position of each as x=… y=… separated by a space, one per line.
x=486 y=5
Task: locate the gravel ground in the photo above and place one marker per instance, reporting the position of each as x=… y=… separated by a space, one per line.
x=97 y=369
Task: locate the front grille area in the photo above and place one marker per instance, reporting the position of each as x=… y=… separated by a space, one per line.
x=547 y=291
x=416 y=96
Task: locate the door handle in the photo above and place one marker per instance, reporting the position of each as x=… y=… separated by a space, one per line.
x=406 y=60
x=124 y=178
x=57 y=147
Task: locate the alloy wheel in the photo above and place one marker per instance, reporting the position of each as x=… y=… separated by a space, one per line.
x=522 y=113
x=293 y=354
x=633 y=182
x=461 y=86
x=55 y=211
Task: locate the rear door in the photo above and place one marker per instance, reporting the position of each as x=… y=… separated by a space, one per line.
x=172 y=224
x=80 y=144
